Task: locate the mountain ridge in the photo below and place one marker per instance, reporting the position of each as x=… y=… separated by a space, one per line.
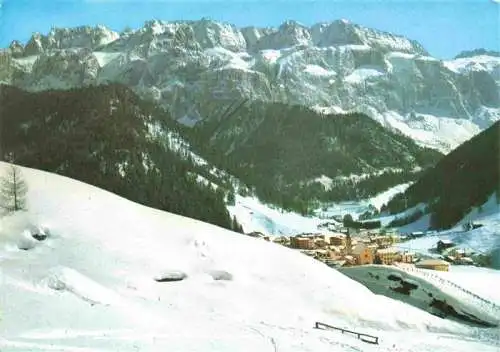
x=338 y=66
x=321 y=34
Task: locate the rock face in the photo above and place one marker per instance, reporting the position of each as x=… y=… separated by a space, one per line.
x=333 y=67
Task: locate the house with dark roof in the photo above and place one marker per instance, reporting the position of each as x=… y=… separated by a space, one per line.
x=444 y=244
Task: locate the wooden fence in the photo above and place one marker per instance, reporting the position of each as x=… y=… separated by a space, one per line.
x=363 y=337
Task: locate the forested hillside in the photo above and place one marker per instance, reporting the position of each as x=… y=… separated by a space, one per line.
x=105 y=136
x=281 y=149
x=463 y=179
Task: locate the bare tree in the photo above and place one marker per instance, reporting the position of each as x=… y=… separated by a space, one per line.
x=13 y=190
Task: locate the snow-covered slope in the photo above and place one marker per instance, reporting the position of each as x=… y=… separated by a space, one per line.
x=425 y=288
x=338 y=66
x=253 y=215
x=91 y=285
x=475 y=63
x=485 y=240
x=482 y=240
x=357 y=208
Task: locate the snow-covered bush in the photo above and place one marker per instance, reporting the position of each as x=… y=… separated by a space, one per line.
x=40 y=233
x=25 y=241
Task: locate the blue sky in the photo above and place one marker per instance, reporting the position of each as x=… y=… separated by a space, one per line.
x=444 y=27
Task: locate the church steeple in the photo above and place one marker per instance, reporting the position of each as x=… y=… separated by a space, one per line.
x=348 y=243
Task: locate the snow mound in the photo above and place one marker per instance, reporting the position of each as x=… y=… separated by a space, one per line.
x=67 y=279
x=169 y=276
x=220 y=275
x=16 y=232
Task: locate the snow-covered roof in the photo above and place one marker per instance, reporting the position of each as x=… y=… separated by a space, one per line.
x=408 y=253
x=431 y=262
x=389 y=250
x=445 y=241
x=359 y=248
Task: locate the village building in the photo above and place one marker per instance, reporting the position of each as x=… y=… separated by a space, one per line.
x=336 y=262
x=433 y=264
x=444 y=244
x=308 y=252
x=374 y=232
x=449 y=258
x=373 y=248
x=464 y=261
x=388 y=256
x=394 y=238
x=302 y=242
x=383 y=240
x=459 y=253
x=362 y=254
x=322 y=254
x=338 y=240
x=256 y=234
x=391 y=232
x=283 y=240
x=349 y=260
x=337 y=251
x=407 y=257
x=366 y=241
x=417 y=234
x=320 y=242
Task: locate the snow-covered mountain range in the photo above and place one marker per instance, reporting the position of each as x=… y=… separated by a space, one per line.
x=332 y=67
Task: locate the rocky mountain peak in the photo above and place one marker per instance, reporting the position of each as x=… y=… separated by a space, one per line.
x=477 y=52
x=16 y=48
x=67 y=38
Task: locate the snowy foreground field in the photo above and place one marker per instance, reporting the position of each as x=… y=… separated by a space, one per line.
x=90 y=286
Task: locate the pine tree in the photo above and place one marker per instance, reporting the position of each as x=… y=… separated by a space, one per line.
x=13 y=190
x=230 y=198
x=236 y=226
x=347 y=220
